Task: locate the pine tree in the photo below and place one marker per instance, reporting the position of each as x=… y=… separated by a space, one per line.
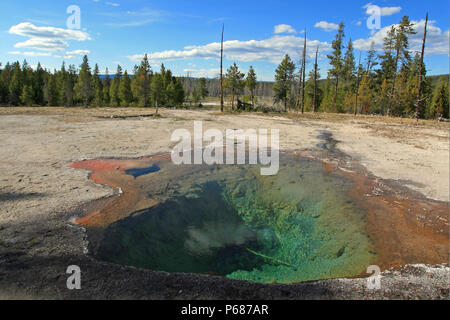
x=327 y=96
x=371 y=61
x=142 y=83
x=365 y=95
x=98 y=88
x=440 y=104
x=234 y=82
x=38 y=85
x=202 y=88
x=349 y=67
x=126 y=97
x=27 y=74
x=313 y=92
x=62 y=79
x=15 y=86
x=251 y=83
x=69 y=92
x=157 y=89
x=401 y=46
x=114 y=89
x=336 y=62
x=383 y=97
x=27 y=96
x=166 y=76
x=83 y=87
x=3 y=88
x=106 y=89
x=50 y=90
x=171 y=95
x=409 y=103
x=284 y=75
x=179 y=93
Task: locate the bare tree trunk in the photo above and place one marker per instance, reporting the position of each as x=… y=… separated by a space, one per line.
x=335 y=93
x=357 y=85
x=221 y=71
x=297 y=105
x=419 y=90
x=232 y=101
x=391 y=98
x=315 y=81
x=304 y=75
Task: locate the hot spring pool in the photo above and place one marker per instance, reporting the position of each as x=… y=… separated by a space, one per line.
x=297 y=226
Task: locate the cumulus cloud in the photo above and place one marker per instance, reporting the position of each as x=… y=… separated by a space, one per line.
x=327 y=26
x=46 y=38
x=437 y=40
x=43 y=44
x=283 y=28
x=270 y=50
x=385 y=11
x=28 y=29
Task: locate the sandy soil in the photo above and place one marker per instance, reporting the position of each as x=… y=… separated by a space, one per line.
x=38 y=190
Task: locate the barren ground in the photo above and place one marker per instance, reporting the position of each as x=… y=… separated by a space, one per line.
x=38 y=191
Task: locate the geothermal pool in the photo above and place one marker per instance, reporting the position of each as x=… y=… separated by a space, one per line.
x=309 y=222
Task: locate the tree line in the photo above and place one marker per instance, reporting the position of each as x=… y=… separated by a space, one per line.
x=390 y=83
x=21 y=85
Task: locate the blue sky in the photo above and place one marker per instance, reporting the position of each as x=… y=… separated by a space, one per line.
x=185 y=34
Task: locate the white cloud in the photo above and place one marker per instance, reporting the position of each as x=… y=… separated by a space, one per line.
x=271 y=50
x=46 y=38
x=283 y=28
x=437 y=40
x=78 y=52
x=203 y=73
x=28 y=29
x=31 y=54
x=43 y=44
x=385 y=11
x=37 y=54
x=112 y=4
x=327 y=26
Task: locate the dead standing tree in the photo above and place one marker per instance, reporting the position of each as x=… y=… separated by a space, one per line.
x=357 y=84
x=304 y=75
x=301 y=80
x=419 y=89
x=316 y=67
x=221 y=70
